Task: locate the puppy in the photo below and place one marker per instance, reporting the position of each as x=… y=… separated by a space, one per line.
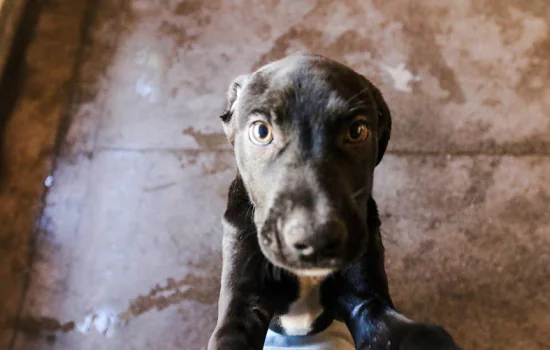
x=302 y=245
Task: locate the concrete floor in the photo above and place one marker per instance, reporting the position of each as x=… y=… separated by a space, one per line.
x=126 y=251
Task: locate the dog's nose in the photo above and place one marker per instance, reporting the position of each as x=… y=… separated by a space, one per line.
x=325 y=242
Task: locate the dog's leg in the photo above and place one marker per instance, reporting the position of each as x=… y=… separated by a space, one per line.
x=364 y=303
x=376 y=326
x=250 y=288
x=243 y=315
x=374 y=323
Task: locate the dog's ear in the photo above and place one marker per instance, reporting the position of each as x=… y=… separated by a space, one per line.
x=384 y=123
x=229 y=123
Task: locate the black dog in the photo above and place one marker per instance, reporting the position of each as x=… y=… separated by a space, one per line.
x=302 y=243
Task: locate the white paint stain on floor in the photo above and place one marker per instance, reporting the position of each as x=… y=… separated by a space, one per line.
x=402 y=78
x=103 y=321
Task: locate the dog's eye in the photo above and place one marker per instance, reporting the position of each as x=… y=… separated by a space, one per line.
x=358 y=130
x=260 y=133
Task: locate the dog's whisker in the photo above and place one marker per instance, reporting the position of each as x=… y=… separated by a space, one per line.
x=263 y=271
x=358 y=192
x=276 y=273
x=250 y=258
x=352 y=100
x=247 y=234
x=358 y=105
x=357 y=94
x=267 y=268
x=250 y=212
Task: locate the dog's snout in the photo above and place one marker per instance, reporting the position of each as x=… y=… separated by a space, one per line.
x=324 y=242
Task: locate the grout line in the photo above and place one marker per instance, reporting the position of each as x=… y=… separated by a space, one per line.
x=398 y=153
x=467 y=153
x=163 y=150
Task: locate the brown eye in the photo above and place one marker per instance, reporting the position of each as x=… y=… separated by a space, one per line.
x=358 y=130
x=260 y=133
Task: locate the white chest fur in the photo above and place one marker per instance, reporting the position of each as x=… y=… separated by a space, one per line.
x=306 y=309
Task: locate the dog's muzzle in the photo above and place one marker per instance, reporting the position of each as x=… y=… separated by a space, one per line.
x=301 y=239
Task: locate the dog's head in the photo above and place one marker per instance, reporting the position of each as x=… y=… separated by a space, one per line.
x=307 y=133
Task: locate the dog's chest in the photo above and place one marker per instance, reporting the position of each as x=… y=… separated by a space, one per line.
x=302 y=314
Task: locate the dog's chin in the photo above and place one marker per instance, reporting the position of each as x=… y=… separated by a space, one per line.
x=302 y=269
x=305 y=271
x=316 y=272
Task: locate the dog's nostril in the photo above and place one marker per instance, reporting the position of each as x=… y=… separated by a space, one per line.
x=325 y=241
x=300 y=246
x=304 y=249
x=319 y=246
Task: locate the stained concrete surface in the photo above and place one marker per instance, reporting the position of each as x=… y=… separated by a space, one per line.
x=125 y=249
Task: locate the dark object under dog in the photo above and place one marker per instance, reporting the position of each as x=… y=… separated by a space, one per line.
x=302 y=244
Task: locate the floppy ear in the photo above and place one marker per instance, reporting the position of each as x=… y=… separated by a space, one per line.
x=384 y=122
x=229 y=123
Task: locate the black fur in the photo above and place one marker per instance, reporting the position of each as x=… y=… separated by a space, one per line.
x=254 y=290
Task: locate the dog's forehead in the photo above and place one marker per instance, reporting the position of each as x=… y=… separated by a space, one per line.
x=298 y=81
